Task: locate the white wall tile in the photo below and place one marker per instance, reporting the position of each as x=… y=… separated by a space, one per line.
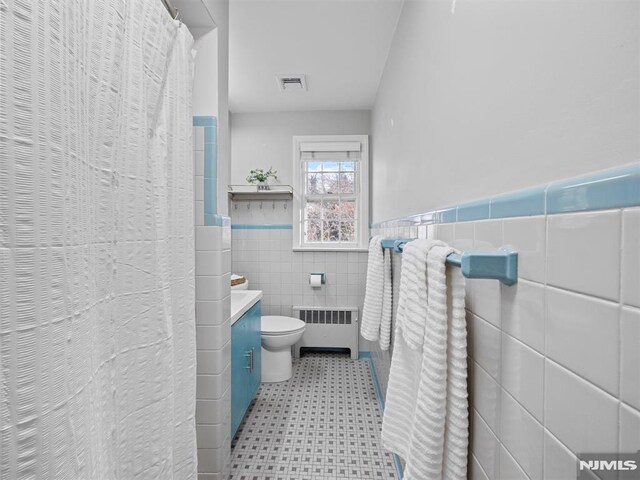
x=559 y=462
x=583 y=253
x=210 y=263
x=486 y=300
x=629 y=429
x=630 y=356
x=631 y=257
x=582 y=334
x=464 y=235
x=522 y=435
x=198 y=168
x=581 y=415
x=208 y=238
x=212 y=337
x=212 y=312
x=446 y=232
x=488 y=235
x=211 y=459
x=214 y=411
x=485 y=396
x=198 y=213
x=522 y=313
x=509 y=468
x=528 y=237
x=212 y=387
x=485 y=446
x=523 y=374
x=476 y=471
x=212 y=436
x=484 y=345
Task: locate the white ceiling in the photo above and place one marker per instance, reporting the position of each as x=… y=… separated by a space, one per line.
x=195 y=14
x=340 y=45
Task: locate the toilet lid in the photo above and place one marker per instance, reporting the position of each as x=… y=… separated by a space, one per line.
x=275 y=324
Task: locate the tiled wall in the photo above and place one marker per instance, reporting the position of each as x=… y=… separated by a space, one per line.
x=554 y=362
x=213 y=330
x=262 y=252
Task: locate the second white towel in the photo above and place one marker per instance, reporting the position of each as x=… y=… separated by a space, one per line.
x=376 y=314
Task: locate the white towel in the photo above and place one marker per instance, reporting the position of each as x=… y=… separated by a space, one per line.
x=376 y=314
x=426 y=419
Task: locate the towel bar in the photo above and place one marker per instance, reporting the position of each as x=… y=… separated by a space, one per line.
x=499 y=265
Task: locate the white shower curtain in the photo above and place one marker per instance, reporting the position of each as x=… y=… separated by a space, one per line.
x=97 y=323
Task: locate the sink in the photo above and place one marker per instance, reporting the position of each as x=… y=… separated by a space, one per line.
x=243 y=300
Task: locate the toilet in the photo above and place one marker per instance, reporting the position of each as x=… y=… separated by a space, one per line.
x=278 y=334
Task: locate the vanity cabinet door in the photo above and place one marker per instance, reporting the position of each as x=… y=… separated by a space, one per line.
x=239 y=362
x=246 y=365
x=255 y=345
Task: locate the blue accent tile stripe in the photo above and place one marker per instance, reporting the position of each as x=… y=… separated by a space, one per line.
x=216 y=220
x=473 y=211
x=376 y=385
x=616 y=188
x=518 y=204
x=262 y=226
x=446 y=215
x=205 y=121
x=210 y=166
x=210 y=135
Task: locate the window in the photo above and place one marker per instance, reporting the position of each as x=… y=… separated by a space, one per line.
x=330 y=182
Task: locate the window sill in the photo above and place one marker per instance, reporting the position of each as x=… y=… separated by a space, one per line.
x=329 y=249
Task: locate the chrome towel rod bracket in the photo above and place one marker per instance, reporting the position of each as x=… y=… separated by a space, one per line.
x=498 y=265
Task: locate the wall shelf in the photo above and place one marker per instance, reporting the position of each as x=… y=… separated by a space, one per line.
x=251 y=192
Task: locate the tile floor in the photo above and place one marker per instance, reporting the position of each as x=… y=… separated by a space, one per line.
x=324 y=423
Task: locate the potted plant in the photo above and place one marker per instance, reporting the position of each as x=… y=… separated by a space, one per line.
x=261 y=178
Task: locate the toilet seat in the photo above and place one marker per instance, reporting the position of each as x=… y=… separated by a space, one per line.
x=273 y=325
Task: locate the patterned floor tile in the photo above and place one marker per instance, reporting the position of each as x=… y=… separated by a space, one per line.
x=324 y=423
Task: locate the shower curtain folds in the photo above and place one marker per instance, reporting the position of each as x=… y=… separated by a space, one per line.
x=97 y=321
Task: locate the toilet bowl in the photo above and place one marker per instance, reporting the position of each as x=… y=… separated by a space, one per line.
x=278 y=334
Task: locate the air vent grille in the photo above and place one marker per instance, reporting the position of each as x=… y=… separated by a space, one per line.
x=291 y=83
x=335 y=317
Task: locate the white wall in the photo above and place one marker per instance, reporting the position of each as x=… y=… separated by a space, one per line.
x=205 y=81
x=502 y=95
x=261 y=140
x=211 y=87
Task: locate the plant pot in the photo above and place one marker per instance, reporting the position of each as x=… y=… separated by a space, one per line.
x=263 y=186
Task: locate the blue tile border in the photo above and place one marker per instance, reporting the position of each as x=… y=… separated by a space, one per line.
x=366 y=356
x=473 y=211
x=205 y=121
x=261 y=226
x=212 y=220
x=519 y=204
x=610 y=189
x=209 y=123
x=614 y=188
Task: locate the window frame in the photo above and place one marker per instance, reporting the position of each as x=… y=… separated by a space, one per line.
x=361 y=195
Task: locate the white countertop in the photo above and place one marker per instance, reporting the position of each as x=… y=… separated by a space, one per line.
x=242 y=301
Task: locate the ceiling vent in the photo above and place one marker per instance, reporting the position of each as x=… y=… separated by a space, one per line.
x=291 y=83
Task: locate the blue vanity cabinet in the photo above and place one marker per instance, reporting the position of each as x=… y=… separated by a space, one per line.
x=245 y=364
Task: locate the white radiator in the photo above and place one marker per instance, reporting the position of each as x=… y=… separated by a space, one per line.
x=328 y=328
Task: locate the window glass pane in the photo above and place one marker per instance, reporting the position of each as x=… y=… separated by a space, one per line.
x=330 y=182
x=314 y=210
x=348 y=210
x=348 y=231
x=346 y=183
x=313 y=231
x=331 y=209
x=331 y=231
x=331 y=166
x=347 y=166
x=314 y=183
x=314 y=166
